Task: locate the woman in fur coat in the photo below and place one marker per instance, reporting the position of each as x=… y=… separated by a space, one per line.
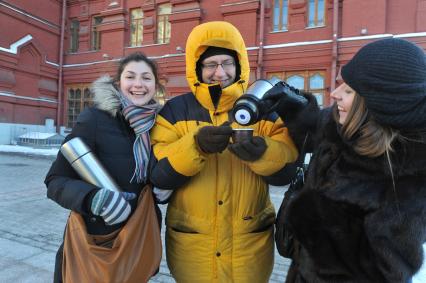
x=116 y=129
x=361 y=215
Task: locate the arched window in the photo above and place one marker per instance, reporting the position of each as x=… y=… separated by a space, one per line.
x=316 y=87
x=78 y=93
x=88 y=98
x=310 y=81
x=79 y=97
x=296 y=81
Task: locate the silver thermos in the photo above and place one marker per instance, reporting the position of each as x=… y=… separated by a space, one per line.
x=87 y=165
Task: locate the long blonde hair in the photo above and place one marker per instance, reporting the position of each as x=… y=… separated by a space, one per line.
x=369 y=137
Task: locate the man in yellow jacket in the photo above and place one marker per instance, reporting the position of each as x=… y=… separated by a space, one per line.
x=220 y=217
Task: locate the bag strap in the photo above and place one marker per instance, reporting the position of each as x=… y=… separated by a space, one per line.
x=300 y=164
x=302 y=154
x=287 y=245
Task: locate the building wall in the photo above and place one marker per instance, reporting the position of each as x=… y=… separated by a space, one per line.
x=32 y=71
x=29 y=50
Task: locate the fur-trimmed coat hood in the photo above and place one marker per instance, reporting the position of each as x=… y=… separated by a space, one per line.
x=106 y=96
x=354 y=221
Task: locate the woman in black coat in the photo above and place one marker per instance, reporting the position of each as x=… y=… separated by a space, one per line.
x=120 y=146
x=361 y=215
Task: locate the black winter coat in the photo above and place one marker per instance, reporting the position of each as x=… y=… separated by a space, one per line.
x=109 y=136
x=111 y=140
x=352 y=223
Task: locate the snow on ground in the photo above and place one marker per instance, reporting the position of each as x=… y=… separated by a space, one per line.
x=28 y=150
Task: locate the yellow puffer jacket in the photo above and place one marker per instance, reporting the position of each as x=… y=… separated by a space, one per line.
x=220 y=217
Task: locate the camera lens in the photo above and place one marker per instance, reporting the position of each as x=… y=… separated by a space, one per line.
x=245 y=111
x=242 y=117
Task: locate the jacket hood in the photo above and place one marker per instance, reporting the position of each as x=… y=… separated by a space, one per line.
x=218 y=34
x=106 y=96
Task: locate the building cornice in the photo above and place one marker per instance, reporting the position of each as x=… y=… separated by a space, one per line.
x=12 y=95
x=28 y=15
x=273 y=46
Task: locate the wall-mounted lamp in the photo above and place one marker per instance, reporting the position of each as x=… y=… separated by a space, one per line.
x=179 y=49
x=364 y=31
x=105 y=56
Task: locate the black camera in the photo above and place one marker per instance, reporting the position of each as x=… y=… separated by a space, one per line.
x=256 y=101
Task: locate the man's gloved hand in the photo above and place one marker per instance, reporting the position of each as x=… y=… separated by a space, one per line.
x=283 y=99
x=112 y=206
x=213 y=139
x=249 y=150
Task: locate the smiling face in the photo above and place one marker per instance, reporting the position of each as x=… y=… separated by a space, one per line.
x=344 y=97
x=219 y=69
x=137 y=82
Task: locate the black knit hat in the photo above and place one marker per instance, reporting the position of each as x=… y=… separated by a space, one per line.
x=391 y=75
x=213 y=51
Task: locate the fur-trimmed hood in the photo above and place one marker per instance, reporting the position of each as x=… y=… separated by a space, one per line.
x=106 y=96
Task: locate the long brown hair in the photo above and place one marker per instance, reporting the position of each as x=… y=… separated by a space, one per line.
x=369 y=137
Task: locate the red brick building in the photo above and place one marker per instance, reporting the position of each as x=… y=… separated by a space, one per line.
x=51 y=50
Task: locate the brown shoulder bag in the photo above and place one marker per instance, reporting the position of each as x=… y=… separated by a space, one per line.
x=131 y=254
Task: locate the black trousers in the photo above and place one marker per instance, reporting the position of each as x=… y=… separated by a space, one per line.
x=57 y=276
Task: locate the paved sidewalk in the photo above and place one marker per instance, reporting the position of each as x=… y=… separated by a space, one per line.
x=31 y=225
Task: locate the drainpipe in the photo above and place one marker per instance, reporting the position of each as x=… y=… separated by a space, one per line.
x=61 y=62
x=261 y=37
x=335 y=54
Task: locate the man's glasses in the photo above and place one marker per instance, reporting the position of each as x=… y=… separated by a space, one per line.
x=226 y=65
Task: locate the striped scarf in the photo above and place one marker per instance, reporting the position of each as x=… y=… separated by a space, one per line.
x=141 y=119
